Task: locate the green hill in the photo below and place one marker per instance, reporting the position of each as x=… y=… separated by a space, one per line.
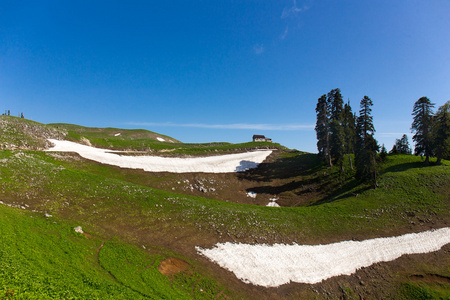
x=112 y=137
x=133 y=221
x=144 y=140
x=17 y=133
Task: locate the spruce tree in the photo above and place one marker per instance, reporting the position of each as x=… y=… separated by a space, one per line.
x=323 y=129
x=404 y=145
x=441 y=132
x=349 y=124
x=365 y=119
x=401 y=146
x=421 y=127
x=383 y=153
x=366 y=145
x=337 y=136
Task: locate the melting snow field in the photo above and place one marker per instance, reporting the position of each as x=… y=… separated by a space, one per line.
x=272 y=266
x=213 y=164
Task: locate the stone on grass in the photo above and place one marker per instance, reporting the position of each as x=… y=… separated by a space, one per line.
x=79 y=229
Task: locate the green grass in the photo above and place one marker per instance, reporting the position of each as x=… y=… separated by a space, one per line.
x=136 y=270
x=46 y=259
x=424 y=291
x=41 y=259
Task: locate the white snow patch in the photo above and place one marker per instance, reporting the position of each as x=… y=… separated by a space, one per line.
x=275 y=265
x=212 y=164
x=160 y=139
x=117 y=134
x=78 y=229
x=273 y=202
x=251 y=194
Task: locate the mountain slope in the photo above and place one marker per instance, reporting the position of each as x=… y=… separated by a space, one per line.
x=17 y=133
x=111 y=137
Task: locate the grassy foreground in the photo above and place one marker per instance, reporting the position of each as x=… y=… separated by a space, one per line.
x=43 y=258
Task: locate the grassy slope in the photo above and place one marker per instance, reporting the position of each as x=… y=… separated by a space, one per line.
x=46 y=259
x=410 y=198
x=17 y=133
x=144 y=140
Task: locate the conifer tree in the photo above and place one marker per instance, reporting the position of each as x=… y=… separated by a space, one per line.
x=337 y=136
x=323 y=129
x=401 y=146
x=366 y=145
x=404 y=145
x=441 y=132
x=421 y=127
x=349 y=124
x=383 y=153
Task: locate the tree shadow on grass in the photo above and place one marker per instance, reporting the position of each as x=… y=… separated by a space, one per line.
x=288 y=187
x=337 y=194
x=405 y=167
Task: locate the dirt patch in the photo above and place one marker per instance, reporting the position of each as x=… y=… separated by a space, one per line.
x=286 y=179
x=172 y=266
x=87 y=235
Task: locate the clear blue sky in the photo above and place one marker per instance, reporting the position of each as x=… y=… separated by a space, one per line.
x=204 y=71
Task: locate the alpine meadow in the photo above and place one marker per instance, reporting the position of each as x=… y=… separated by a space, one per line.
x=74 y=227
x=290 y=149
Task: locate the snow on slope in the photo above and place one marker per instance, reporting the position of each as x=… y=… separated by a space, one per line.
x=272 y=266
x=212 y=164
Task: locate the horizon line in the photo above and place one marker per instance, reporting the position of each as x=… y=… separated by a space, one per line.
x=236 y=126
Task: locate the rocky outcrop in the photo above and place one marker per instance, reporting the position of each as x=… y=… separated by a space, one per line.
x=21 y=134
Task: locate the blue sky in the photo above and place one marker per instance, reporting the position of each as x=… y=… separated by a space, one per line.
x=205 y=71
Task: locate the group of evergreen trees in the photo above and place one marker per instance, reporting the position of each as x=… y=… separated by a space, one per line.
x=401 y=146
x=431 y=130
x=341 y=133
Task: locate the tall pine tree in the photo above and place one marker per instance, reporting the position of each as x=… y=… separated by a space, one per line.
x=337 y=136
x=441 y=132
x=421 y=127
x=348 y=122
x=401 y=146
x=366 y=145
x=323 y=129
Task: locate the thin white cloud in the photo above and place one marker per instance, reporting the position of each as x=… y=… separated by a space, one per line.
x=285 y=33
x=239 y=126
x=293 y=10
x=259 y=49
x=290 y=15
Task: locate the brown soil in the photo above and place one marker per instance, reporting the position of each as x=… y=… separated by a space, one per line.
x=172 y=266
x=289 y=180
